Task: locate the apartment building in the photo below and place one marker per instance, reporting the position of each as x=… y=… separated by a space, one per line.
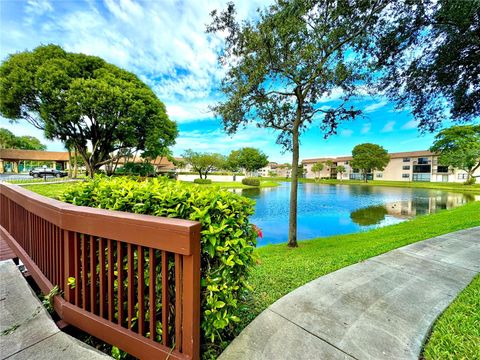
x=275 y=169
x=420 y=165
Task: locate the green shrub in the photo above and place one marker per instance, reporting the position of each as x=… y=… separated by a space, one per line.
x=141 y=169
x=470 y=181
x=228 y=239
x=202 y=181
x=251 y=181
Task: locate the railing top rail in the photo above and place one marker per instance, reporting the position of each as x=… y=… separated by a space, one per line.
x=174 y=235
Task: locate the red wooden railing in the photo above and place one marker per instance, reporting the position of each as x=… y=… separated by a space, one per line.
x=122 y=268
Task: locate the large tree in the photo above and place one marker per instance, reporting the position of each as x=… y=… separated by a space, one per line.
x=459 y=146
x=317 y=169
x=8 y=140
x=281 y=64
x=203 y=163
x=83 y=101
x=247 y=158
x=429 y=51
x=369 y=157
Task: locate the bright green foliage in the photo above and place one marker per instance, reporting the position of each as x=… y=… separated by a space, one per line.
x=341 y=170
x=317 y=168
x=202 y=181
x=227 y=238
x=369 y=157
x=247 y=158
x=203 y=163
x=456 y=333
x=141 y=169
x=9 y=141
x=369 y=215
x=459 y=146
x=251 y=181
x=85 y=102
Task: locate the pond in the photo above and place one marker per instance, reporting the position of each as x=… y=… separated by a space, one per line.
x=325 y=210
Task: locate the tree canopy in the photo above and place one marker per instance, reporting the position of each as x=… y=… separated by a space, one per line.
x=85 y=101
x=317 y=168
x=247 y=158
x=459 y=146
x=280 y=65
x=203 y=163
x=429 y=53
x=369 y=157
x=8 y=140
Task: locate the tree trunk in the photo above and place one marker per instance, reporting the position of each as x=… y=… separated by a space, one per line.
x=75 y=163
x=292 y=227
x=69 y=162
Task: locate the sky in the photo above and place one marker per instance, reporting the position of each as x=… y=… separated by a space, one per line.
x=165 y=44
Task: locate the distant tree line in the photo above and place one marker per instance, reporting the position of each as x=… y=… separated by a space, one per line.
x=8 y=140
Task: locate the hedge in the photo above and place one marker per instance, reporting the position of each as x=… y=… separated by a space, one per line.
x=228 y=239
x=202 y=181
x=251 y=182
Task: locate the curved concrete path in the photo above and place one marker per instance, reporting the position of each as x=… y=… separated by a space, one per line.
x=381 y=308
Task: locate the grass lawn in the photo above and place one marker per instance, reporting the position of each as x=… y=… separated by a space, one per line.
x=50 y=190
x=456 y=333
x=459 y=187
x=281 y=269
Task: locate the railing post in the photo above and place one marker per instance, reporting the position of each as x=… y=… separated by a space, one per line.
x=191 y=298
x=69 y=263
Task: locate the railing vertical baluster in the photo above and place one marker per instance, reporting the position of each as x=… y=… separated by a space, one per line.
x=178 y=302
x=165 y=300
x=84 y=273
x=120 y=282
x=152 y=299
x=76 y=240
x=102 y=280
x=93 y=274
x=141 y=290
x=111 y=269
x=69 y=256
x=131 y=285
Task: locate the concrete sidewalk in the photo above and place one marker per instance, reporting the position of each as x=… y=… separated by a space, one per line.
x=26 y=330
x=381 y=308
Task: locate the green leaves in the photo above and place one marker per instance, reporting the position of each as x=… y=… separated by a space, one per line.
x=228 y=239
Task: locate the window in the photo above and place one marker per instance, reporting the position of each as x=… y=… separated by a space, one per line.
x=423 y=161
x=423 y=169
x=406 y=159
x=421 y=177
x=406 y=167
x=462 y=176
x=379 y=175
x=405 y=175
x=346 y=162
x=442 y=169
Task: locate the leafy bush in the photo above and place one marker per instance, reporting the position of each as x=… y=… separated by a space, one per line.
x=228 y=239
x=470 y=181
x=251 y=181
x=141 y=169
x=202 y=181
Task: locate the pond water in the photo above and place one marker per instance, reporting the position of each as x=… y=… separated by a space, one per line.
x=325 y=210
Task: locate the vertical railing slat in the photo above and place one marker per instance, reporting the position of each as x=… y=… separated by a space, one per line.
x=141 y=290
x=85 y=294
x=111 y=269
x=152 y=299
x=120 y=282
x=76 y=259
x=93 y=274
x=131 y=285
x=165 y=299
x=178 y=301
x=102 y=279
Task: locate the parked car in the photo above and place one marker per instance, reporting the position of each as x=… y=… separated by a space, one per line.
x=41 y=172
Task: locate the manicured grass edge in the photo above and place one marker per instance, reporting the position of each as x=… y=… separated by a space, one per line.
x=456 y=332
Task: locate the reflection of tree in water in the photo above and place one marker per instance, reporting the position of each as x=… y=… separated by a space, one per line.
x=253 y=192
x=370 y=215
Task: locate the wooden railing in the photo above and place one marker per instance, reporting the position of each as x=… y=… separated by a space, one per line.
x=130 y=280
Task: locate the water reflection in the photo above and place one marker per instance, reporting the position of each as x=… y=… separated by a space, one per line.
x=325 y=210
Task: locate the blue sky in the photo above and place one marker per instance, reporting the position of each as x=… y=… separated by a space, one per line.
x=164 y=43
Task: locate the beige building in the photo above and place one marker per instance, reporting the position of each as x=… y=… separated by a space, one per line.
x=275 y=169
x=403 y=166
x=21 y=161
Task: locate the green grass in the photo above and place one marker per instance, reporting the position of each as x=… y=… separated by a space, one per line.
x=281 y=269
x=458 y=187
x=50 y=190
x=456 y=333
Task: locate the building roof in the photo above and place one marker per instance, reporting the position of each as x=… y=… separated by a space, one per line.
x=35 y=155
x=395 y=155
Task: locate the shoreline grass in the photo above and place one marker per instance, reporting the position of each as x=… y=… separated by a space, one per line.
x=456 y=333
x=237 y=185
x=455 y=187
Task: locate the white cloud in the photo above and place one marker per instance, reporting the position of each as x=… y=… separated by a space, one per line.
x=346 y=132
x=366 y=128
x=375 y=106
x=388 y=127
x=412 y=124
